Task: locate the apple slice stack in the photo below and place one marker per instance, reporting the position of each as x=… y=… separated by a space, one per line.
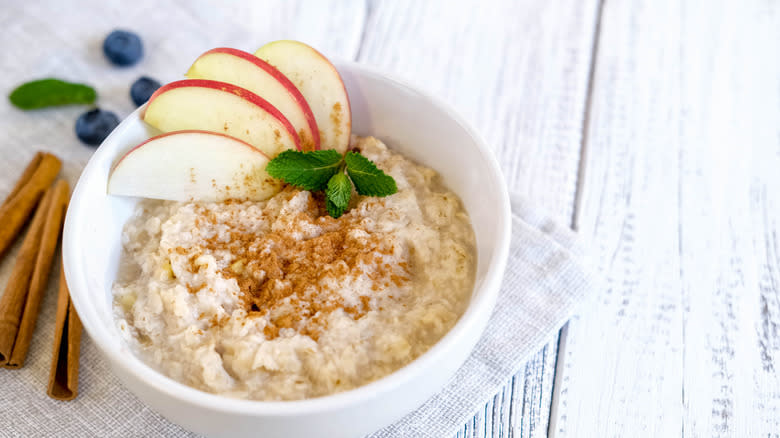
x=234 y=113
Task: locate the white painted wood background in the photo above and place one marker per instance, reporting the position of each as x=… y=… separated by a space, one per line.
x=652 y=126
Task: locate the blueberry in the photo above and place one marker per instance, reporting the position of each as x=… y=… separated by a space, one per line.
x=142 y=89
x=93 y=126
x=123 y=47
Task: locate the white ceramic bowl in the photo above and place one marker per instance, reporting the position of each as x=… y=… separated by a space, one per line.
x=419 y=126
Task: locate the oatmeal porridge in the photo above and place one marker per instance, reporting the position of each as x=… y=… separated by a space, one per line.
x=276 y=300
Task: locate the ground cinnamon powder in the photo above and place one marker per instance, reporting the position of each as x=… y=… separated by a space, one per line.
x=290 y=278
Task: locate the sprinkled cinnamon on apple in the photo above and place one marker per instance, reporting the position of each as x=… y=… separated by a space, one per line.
x=335 y=119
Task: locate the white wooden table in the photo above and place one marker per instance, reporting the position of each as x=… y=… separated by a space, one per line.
x=651 y=126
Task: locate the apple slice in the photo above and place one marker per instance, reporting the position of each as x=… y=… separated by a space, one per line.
x=193 y=166
x=321 y=85
x=224 y=108
x=248 y=71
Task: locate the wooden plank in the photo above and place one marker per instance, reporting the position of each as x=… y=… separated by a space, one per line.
x=680 y=203
x=518 y=71
x=729 y=229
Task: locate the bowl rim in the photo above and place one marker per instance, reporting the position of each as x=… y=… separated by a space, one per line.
x=480 y=303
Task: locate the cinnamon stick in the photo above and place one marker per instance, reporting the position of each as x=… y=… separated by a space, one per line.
x=64 y=371
x=26 y=175
x=13 y=300
x=40 y=275
x=31 y=186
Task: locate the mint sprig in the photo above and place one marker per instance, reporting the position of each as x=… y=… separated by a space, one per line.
x=324 y=170
x=51 y=92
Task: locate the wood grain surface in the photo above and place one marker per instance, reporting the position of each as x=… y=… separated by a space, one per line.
x=680 y=206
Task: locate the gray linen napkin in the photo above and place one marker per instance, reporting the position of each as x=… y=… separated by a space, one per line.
x=545 y=280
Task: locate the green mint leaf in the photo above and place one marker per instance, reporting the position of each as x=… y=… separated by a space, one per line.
x=324 y=170
x=334 y=210
x=368 y=179
x=51 y=92
x=307 y=170
x=338 y=192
